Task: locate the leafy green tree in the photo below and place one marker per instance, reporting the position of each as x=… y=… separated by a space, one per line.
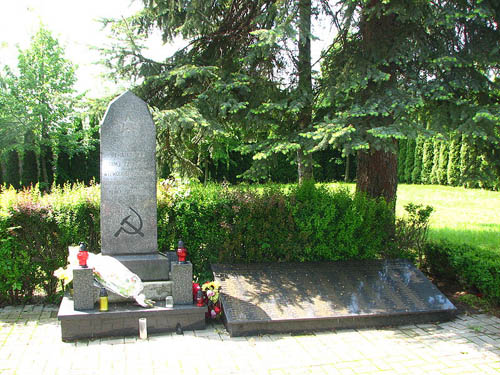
x=40 y=98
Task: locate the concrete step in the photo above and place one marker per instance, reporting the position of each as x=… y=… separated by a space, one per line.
x=122 y=319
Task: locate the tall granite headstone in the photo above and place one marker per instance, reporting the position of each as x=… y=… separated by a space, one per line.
x=128 y=188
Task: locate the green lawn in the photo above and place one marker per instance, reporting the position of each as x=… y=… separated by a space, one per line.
x=460 y=215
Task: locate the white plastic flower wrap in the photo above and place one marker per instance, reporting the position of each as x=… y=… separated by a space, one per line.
x=110 y=273
x=117 y=278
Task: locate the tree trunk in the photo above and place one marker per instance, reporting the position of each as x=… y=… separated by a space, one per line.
x=347 y=168
x=45 y=176
x=305 y=160
x=377 y=174
x=377 y=170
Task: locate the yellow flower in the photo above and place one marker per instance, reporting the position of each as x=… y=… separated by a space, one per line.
x=64 y=274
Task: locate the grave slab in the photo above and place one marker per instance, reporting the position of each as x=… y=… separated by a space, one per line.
x=298 y=297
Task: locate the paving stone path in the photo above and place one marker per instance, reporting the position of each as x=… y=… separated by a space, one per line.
x=30 y=343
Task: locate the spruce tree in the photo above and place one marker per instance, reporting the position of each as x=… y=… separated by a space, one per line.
x=417 y=165
x=453 y=168
x=402 y=160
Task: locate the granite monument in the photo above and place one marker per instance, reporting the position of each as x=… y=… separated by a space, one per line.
x=128 y=188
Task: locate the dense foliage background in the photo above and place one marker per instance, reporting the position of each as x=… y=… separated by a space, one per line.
x=218 y=224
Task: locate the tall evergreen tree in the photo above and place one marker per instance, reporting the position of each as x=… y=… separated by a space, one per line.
x=453 y=167
x=427 y=161
x=402 y=160
x=464 y=160
x=410 y=160
x=416 y=174
x=12 y=176
x=434 y=177
x=375 y=71
x=443 y=163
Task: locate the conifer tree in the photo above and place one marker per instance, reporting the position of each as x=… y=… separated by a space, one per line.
x=453 y=167
x=12 y=177
x=410 y=159
x=427 y=161
x=464 y=160
x=402 y=160
x=417 y=166
x=443 y=163
x=435 y=161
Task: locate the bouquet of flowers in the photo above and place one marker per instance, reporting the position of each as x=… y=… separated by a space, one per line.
x=109 y=273
x=211 y=291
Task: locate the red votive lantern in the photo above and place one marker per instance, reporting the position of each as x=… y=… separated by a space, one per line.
x=196 y=287
x=83 y=255
x=199 y=299
x=181 y=252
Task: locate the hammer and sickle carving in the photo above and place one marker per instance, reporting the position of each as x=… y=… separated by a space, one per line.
x=132 y=228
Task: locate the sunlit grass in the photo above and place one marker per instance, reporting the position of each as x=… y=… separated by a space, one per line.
x=470 y=216
x=461 y=216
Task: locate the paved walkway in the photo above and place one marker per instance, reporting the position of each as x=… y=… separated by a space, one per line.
x=30 y=343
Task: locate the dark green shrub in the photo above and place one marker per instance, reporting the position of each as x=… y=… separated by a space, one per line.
x=473 y=267
x=412 y=230
x=438 y=259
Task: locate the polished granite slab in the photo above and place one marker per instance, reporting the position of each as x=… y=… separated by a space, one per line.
x=288 y=297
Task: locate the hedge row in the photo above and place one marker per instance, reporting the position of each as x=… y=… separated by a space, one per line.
x=218 y=224
x=456 y=162
x=473 y=267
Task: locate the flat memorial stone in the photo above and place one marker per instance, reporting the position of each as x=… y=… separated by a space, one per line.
x=285 y=297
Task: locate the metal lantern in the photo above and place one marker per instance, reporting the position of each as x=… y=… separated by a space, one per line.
x=83 y=255
x=181 y=252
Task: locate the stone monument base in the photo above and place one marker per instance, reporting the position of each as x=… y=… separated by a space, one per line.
x=122 y=319
x=149 y=267
x=155 y=290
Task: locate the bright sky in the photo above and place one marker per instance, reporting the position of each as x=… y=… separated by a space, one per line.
x=75 y=24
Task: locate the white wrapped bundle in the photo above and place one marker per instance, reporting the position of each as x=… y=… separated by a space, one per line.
x=111 y=274
x=117 y=278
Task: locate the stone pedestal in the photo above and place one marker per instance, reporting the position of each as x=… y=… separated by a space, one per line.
x=83 y=289
x=149 y=267
x=182 y=278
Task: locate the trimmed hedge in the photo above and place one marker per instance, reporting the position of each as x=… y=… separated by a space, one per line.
x=471 y=266
x=269 y=224
x=217 y=223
